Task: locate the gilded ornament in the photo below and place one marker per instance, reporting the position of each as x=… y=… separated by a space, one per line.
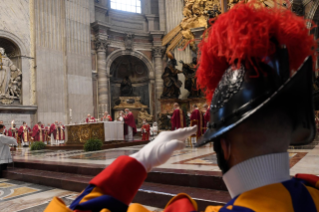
x=196 y=14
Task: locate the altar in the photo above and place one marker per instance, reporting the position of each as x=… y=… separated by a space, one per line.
x=105 y=131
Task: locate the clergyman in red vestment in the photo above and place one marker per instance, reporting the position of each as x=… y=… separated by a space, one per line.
x=47 y=134
x=129 y=125
x=197 y=119
x=23 y=134
x=206 y=117
x=54 y=132
x=13 y=132
x=106 y=117
x=90 y=119
x=178 y=119
x=37 y=132
x=61 y=133
x=145 y=130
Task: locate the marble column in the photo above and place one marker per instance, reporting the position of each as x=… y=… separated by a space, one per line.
x=158 y=54
x=101 y=47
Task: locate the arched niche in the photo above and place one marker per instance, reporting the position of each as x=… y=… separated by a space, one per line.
x=12 y=51
x=18 y=52
x=138 y=73
x=127 y=65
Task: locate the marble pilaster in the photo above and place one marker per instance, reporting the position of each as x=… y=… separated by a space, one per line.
x=103 y=80
x=158 y=51
x=158 y=54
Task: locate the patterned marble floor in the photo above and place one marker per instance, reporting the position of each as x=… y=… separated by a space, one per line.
x=27 y=197
x=301 y=160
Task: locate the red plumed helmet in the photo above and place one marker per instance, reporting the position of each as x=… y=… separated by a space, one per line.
x=245 y=32
x=257 y=58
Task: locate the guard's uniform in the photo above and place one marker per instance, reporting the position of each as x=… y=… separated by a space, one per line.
x=246 y=67
x=114 y=189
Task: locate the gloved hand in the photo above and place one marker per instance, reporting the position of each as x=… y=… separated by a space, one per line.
x=160 y=150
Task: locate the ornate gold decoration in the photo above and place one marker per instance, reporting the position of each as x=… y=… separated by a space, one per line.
x=130 y=102
x=196 y=14
x=79 y=134
x=143 y=114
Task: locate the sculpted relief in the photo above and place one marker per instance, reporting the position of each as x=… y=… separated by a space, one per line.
x=10 y=80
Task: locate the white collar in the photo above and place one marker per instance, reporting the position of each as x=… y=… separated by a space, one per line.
x=257 y=172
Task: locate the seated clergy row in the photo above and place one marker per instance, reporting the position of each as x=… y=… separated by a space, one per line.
x=52 y=133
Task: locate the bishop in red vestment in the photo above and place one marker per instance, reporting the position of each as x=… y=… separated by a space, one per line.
x=197 y=119
x=206 y=117
x=90 y=119
x=178 y=119
x=54 y=132
x=145 y=130
x=106 y=117
x=47 y=133
x=61 y=132
x=13 y=132
x=23 y=134
x=129 y=125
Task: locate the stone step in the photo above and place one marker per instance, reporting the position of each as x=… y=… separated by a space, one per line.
x=152 y=194
x=180 y=177
x=107 y=145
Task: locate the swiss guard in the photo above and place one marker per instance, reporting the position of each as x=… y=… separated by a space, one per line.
x=256 y=68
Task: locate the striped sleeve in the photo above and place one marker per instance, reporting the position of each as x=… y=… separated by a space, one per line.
x=112 y=190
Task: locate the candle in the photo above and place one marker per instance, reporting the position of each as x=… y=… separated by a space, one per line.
x=12 y=124
x=70 y=112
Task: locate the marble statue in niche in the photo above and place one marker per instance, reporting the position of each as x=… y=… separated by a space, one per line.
x=189 y=70
x=10 y=80
x=170 y=78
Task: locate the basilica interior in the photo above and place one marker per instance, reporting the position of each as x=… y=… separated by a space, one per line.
x=71 y=69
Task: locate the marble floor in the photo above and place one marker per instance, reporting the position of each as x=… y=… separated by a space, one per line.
x=27 y=197
x=204 y=159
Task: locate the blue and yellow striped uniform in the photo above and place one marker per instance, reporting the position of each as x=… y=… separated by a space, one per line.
x=115 y=187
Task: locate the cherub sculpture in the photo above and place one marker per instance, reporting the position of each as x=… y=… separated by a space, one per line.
x=14 y=86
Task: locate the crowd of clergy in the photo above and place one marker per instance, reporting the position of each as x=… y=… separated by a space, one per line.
x=55 y=133
x=198 y=116
x=51 y=134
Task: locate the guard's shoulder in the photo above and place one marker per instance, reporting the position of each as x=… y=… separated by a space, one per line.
x=309 y=180
x=274 y=197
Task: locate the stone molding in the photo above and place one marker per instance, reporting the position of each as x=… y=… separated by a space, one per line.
x=157 y=37
x=101 y=9
x=117 y=53
x=16 y=40
x=19 y=109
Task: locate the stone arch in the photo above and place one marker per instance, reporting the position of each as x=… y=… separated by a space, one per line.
x=16 y=40
x=151 y=72
x=110 y=59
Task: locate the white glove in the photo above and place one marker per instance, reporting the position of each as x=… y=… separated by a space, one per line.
x=161 y=149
